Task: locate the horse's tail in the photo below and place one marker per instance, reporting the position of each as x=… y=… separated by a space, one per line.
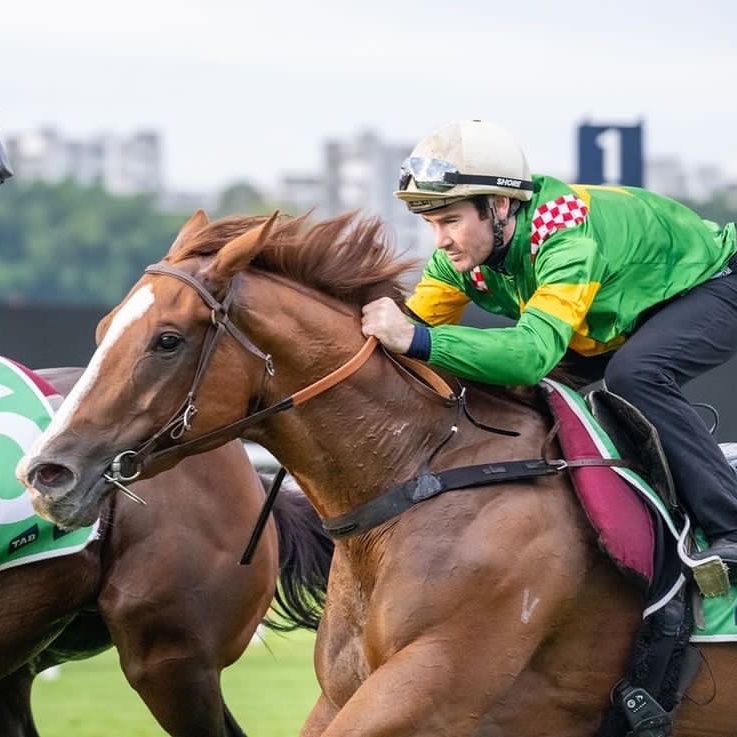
x=305 y=554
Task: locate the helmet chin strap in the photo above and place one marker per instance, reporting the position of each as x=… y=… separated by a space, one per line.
x=499 y=249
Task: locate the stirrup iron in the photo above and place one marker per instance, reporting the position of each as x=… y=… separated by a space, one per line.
x=710 y=574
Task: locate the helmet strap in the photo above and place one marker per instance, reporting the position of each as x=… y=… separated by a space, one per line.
x=499 y=247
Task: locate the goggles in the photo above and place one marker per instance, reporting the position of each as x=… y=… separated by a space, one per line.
x=436 y=175
x=5 y=170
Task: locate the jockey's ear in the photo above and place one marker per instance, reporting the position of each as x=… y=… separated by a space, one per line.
x=235 y=255
x=198 y=221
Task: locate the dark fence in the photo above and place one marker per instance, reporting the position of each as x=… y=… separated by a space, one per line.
x=56 y=335
x=41 y=336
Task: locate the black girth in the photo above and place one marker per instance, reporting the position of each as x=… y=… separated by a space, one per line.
x=398 y=499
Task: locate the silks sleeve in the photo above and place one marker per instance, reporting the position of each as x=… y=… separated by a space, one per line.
x=568 y=272
x=437 y=302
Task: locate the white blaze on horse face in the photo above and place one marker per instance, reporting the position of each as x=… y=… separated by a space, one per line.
x=528 y=607
x=134 y=308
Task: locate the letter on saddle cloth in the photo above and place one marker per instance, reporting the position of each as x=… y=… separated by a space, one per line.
x=620 y=517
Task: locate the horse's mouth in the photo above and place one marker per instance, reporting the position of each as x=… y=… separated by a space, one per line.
x=72 y=511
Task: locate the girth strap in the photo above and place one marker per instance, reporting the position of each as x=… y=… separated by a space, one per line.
x=400 y=498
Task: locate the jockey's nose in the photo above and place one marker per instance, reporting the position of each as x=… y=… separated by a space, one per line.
x=443 y=240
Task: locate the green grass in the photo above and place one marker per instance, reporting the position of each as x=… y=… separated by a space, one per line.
x=270 y=690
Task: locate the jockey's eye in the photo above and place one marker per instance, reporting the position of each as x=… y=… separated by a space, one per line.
x=168 y=342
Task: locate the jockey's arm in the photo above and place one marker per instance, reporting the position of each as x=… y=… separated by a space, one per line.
x=568 y=272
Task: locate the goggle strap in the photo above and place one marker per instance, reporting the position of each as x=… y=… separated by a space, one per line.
x=457 y=178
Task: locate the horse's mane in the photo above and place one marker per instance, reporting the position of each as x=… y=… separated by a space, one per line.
x=347 y=256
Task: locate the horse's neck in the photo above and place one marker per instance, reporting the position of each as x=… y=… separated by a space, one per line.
x=370 y=431
x=375 y=430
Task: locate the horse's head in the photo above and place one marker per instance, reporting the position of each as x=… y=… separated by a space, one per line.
x=139 y=392
x=243 y=314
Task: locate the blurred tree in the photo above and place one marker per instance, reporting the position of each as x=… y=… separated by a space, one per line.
x=242 y=198
x=63 y=243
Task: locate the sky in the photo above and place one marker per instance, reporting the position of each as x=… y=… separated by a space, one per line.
x=250 y=90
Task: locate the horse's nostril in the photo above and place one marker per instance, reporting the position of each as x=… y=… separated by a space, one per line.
x=51 y=475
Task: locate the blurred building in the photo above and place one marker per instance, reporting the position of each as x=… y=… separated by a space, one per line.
x=668 y=175
x=301 y=193
x=360 y=174
x=122 y=165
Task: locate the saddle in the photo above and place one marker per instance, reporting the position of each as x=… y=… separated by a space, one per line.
x=636 y=439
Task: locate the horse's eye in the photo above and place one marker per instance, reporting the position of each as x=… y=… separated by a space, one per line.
x=168 y=342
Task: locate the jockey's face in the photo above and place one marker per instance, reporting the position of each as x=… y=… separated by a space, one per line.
x=462 y=234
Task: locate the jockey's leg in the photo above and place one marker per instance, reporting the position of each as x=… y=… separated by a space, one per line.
x=683 y=339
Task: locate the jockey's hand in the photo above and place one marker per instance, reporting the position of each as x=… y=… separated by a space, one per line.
x=383 y=319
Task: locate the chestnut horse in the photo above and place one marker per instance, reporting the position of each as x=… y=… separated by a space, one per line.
x=163 y=585
x=488 y=612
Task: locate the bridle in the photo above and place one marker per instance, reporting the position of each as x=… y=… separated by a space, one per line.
x=128 y=465
x=365 y=516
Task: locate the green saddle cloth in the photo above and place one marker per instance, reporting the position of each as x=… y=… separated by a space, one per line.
x=25 y=412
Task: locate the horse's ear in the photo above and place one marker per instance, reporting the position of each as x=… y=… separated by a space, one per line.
x=235 y=255
x=198 y=221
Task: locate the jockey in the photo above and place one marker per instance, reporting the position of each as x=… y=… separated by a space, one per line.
x=5 y=171
x=624 y=284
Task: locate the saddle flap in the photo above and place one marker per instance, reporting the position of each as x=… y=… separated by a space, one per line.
x=636 y=439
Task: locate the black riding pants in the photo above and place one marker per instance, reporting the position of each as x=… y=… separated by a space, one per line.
x=680 y=340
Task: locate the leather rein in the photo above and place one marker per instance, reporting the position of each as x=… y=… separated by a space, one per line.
x=128 y=465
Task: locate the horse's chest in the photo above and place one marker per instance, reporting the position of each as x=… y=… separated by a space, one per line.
x=340 y=652
x=341 y=663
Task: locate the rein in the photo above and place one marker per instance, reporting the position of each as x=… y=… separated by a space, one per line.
x=181 y=420
x=128 y=465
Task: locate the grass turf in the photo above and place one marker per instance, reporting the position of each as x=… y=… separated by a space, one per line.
x=270 y=690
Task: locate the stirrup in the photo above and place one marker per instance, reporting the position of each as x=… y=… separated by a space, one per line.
x=711 y=574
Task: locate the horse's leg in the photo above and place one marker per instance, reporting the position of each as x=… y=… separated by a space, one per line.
x=16 y=719
x=183 y=694
x=322 y=714
x=39 y=599
x=232 y=728
x=194 y=610
x=170 y=639
x=425 y=690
